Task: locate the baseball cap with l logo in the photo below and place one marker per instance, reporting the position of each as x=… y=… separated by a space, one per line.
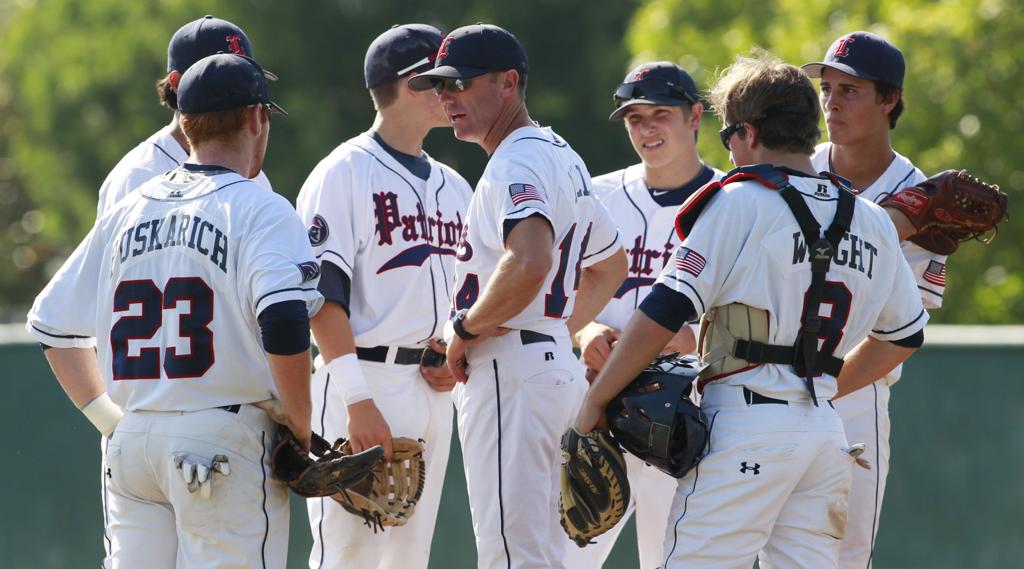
x=865 y=55
x=654 y=83
x=471 y=51
x=206 y=36
x=399 y=51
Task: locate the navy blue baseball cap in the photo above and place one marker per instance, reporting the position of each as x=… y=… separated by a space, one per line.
x=865 y=55
x=222 y=82
x=471 y=51
x=401 y=50
x=654 y=83
x=207 y=36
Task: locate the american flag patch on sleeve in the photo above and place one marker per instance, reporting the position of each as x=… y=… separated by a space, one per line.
x=935 y=273
x=690 y=261
x=523 y=192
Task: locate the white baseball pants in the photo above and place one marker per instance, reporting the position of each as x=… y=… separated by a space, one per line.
x=519 y=400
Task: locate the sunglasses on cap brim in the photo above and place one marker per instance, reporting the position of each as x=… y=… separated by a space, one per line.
x=653 y=90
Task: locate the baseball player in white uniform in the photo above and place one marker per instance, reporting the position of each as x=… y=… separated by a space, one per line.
x=167 y=148
x=538 y=258
x=203 y=281
x=660 y=107
x=861 y=95
x=789 y=251
x=384 y=219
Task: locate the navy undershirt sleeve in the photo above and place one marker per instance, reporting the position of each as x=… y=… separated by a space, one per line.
x=335 y=285
x=669 y=308
x=912 y=341
x=285 y=328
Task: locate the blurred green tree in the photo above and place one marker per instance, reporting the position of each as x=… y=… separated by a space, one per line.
x=963 y=68
x=77 y=92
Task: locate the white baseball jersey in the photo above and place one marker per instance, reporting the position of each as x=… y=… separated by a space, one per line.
x=534 y=172
x=392 y=233
x=171 y=281
x=646 y=221
x=156 y=155
x=929 y=268
x=747 y=247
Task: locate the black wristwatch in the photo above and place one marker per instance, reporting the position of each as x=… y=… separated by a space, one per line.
x=460 y=331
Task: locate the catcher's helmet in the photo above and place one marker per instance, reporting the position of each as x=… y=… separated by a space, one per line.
x=654 y=419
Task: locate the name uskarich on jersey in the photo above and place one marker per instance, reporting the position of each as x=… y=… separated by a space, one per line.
x=175 y=230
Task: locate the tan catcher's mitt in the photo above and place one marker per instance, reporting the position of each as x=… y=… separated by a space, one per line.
x=388 y=497
x=332 y=472
x=949 y=208
x=595 y=489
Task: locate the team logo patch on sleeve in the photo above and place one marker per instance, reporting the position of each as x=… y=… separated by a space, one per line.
x=310 y=270
x=690 y=261
x=935 y=273
x=524 y=192
x=318 y=231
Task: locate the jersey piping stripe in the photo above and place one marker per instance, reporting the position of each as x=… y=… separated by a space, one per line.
x=339 y=257
x=686 y=500
x=437 y=202
x=320 y=523
x=928 y=290
x=551 y=142
x=260 y=301
x=697 y=294
x=433 y=285
x=606 y=247
x=912 y=322
x=501 y=503
x=534 y=210
x=878 y=479
x=166 y=153
x=636 y=293
x=201 y=196
x=263 y=486
x=59 y=335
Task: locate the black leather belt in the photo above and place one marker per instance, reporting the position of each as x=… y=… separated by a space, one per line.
x=755 y=398
x=379 y=354
x=530 y=337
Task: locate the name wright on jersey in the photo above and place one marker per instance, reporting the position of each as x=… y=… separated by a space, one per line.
x=853 y=251
x=175 y=230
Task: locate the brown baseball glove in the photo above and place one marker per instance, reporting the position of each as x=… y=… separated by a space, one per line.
x=388 y=497
x=950 y=208
x=332 y=472
x=595 y=490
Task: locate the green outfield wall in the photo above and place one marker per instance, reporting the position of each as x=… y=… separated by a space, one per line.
x=954 y=500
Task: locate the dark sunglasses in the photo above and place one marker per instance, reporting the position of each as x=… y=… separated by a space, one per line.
x=455 y=85
x=726 y=133
x=651 y=89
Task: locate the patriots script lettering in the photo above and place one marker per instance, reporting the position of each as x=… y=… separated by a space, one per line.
x=417 y=227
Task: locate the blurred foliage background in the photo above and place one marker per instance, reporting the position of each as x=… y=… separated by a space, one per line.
x=77 y=92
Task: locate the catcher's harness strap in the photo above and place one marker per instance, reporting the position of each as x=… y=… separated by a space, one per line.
x=803 y=355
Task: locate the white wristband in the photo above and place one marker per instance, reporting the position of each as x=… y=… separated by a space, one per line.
x=103 y=413
x=346 y=373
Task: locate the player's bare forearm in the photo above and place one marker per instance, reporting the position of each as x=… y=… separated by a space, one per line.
x=333 y=331
x=520 y=275
x=78 y=373
x=640 y=342
x=904 y=227
x=291 y=377
x=598 y=283
x=868 y=362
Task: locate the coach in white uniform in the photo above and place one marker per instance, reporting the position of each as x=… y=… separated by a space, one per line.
x=659 y=105
x=861 y=93
x=534 y=236
x=203 y=281
x=384 y=219
x=776 y=473
x=167 y=148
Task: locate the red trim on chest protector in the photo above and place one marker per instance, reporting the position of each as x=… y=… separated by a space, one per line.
x=695 y=204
